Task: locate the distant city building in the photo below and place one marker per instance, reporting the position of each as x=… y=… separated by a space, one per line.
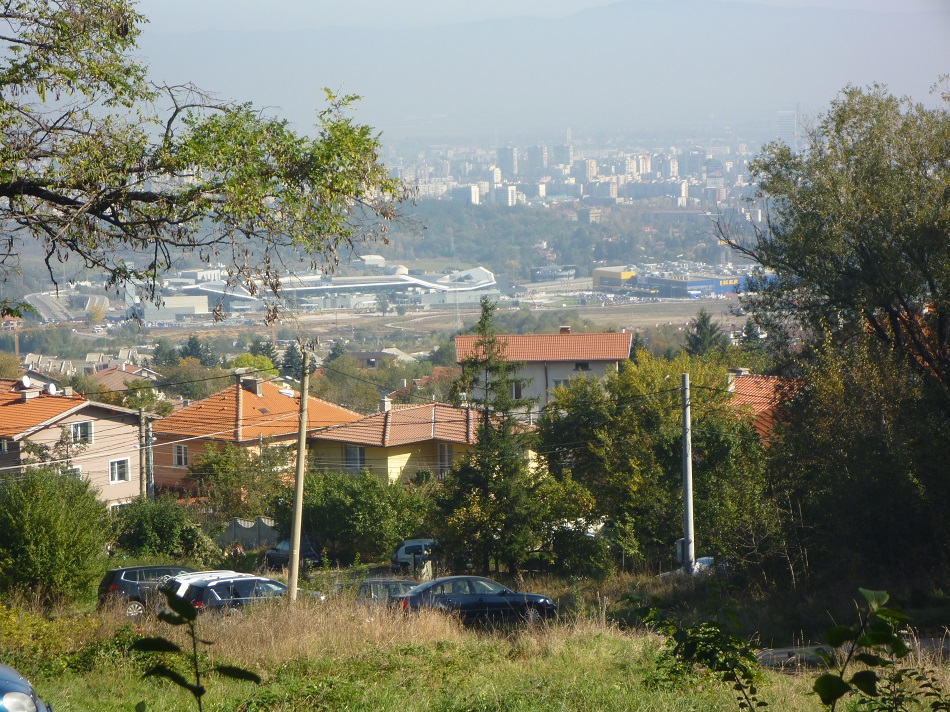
x=586 y=216
x=563 y=155
x=788 y=129
x=536 y=161
x=508 y=161
x=467 y=194
x=506 y=195
x=551 y=273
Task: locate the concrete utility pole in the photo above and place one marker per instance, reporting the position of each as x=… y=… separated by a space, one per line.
x=150 y=462
x=294 y=574
x=689 y=550
x=143 y=472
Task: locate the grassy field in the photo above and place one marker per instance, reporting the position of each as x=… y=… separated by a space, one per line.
x=340 y=655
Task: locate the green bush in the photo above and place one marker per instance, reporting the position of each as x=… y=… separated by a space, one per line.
x=52 y=535
x=162 y=527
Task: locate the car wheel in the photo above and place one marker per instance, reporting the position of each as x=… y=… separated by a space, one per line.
x=532 y=615
x=134 y=609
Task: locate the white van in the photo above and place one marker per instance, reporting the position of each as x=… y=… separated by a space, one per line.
x=412 y=553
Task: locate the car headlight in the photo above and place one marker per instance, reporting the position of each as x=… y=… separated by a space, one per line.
x=17 y=702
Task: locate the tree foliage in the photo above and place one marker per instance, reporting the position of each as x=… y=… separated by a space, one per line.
x=354 y=515
x=52 y=534
x=705 y=338
x=104 y=167
x=161 y=528
x=858 y=231
x=621 y=441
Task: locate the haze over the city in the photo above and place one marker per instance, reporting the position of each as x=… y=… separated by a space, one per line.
x=497 y=72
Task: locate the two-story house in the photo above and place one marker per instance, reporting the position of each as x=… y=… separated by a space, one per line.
x=252 y=414
x=550 y=360
x=399 y=441
x=100 y=441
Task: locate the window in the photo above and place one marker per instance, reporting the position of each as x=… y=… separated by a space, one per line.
x=560 y=383
x=445 y=459
x=516 y=390
x=4 y=446
x=119 y=470
x=181 y=456
x=75 y=471
x=354 y=457
x=582 y=366
x=82 y=432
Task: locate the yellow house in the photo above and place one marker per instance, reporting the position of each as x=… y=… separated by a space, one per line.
x=398 y=442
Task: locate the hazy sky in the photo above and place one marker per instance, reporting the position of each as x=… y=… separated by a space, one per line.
x=174 y=16
x=497 y=70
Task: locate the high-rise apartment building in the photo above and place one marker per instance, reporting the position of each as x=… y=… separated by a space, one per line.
x=788 y=129
x=536 y=161
x=563 y=155
x=508 y=161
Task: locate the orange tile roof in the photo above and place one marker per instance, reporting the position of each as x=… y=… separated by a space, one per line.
x=271 y=414
x=759 y=395
x=117 y=379
x=20 y=417
x=409 y=424
x=554 y=347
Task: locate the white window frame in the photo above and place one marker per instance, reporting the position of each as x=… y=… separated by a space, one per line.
x=180 y=456
x=4 y=446
x=561 y=382
x=446 y=459
x=77 y=437
x=517 y=389
x=75 y=470
x=354 y=457
x=582 y=366
x=114 y=472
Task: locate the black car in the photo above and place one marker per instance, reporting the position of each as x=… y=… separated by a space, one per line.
x=135 y=587
x=222 y=590
x=477 y=598
x=376 y=590
x=17 y=694
x=279 y=556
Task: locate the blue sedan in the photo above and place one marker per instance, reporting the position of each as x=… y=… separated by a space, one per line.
x=476 y=598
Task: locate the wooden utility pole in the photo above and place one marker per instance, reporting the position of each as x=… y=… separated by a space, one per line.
x=294 y=574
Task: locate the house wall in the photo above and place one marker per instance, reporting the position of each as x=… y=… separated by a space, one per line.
x=115 y=437
x=390 y=464
x=167 y=474
x=543 y=376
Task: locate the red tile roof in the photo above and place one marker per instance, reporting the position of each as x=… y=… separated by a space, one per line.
x=117 y=379
x=409 y=424
x=759 y=395
x=554 y=347
x=271 y=414
x=20 y=417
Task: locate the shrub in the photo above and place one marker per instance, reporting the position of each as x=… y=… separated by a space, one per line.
x=52 y=535
x=162 y=527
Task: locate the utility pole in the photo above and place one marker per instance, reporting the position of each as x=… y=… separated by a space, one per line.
x=143 y=476
x=689 y=550
x=294 y=574
x=150 y=462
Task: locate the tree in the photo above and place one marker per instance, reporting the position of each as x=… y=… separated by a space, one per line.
x=354 y=515
x=96 y=314
x=856 y=238
x=101 y=165
x=620 y=440
x=706 y=338
x=191 y=380
x=292 y=364
x=236 y=483
x=262 y=347
x=161 y=528
x=195 y=348
x=165 y=354
x=493 y=503
x=261 y=365
x=342 y=381
x=9 y=365
x=52 y=534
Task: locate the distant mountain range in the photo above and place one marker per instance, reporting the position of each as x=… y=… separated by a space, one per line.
x=641 y=67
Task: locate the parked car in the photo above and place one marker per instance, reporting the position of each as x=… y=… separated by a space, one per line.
x=474 y=598
x=222 y=590
x=17 y=694
x=279 y=556
x=410 y=551
x=380 y=590
x=136 y=587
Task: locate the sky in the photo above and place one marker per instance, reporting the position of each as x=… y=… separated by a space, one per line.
x=192 y=15
x=498 y=70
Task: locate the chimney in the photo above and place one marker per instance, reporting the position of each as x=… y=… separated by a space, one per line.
x=238 y=409
x=731 y=377
x=565 y=329
x=30 y=393
x=385 y=404
x=68 y=392
x=253 y=385
x=403 y=383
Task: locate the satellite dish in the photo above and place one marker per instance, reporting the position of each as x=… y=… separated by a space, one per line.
x=25 y=381
x=51 y=389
